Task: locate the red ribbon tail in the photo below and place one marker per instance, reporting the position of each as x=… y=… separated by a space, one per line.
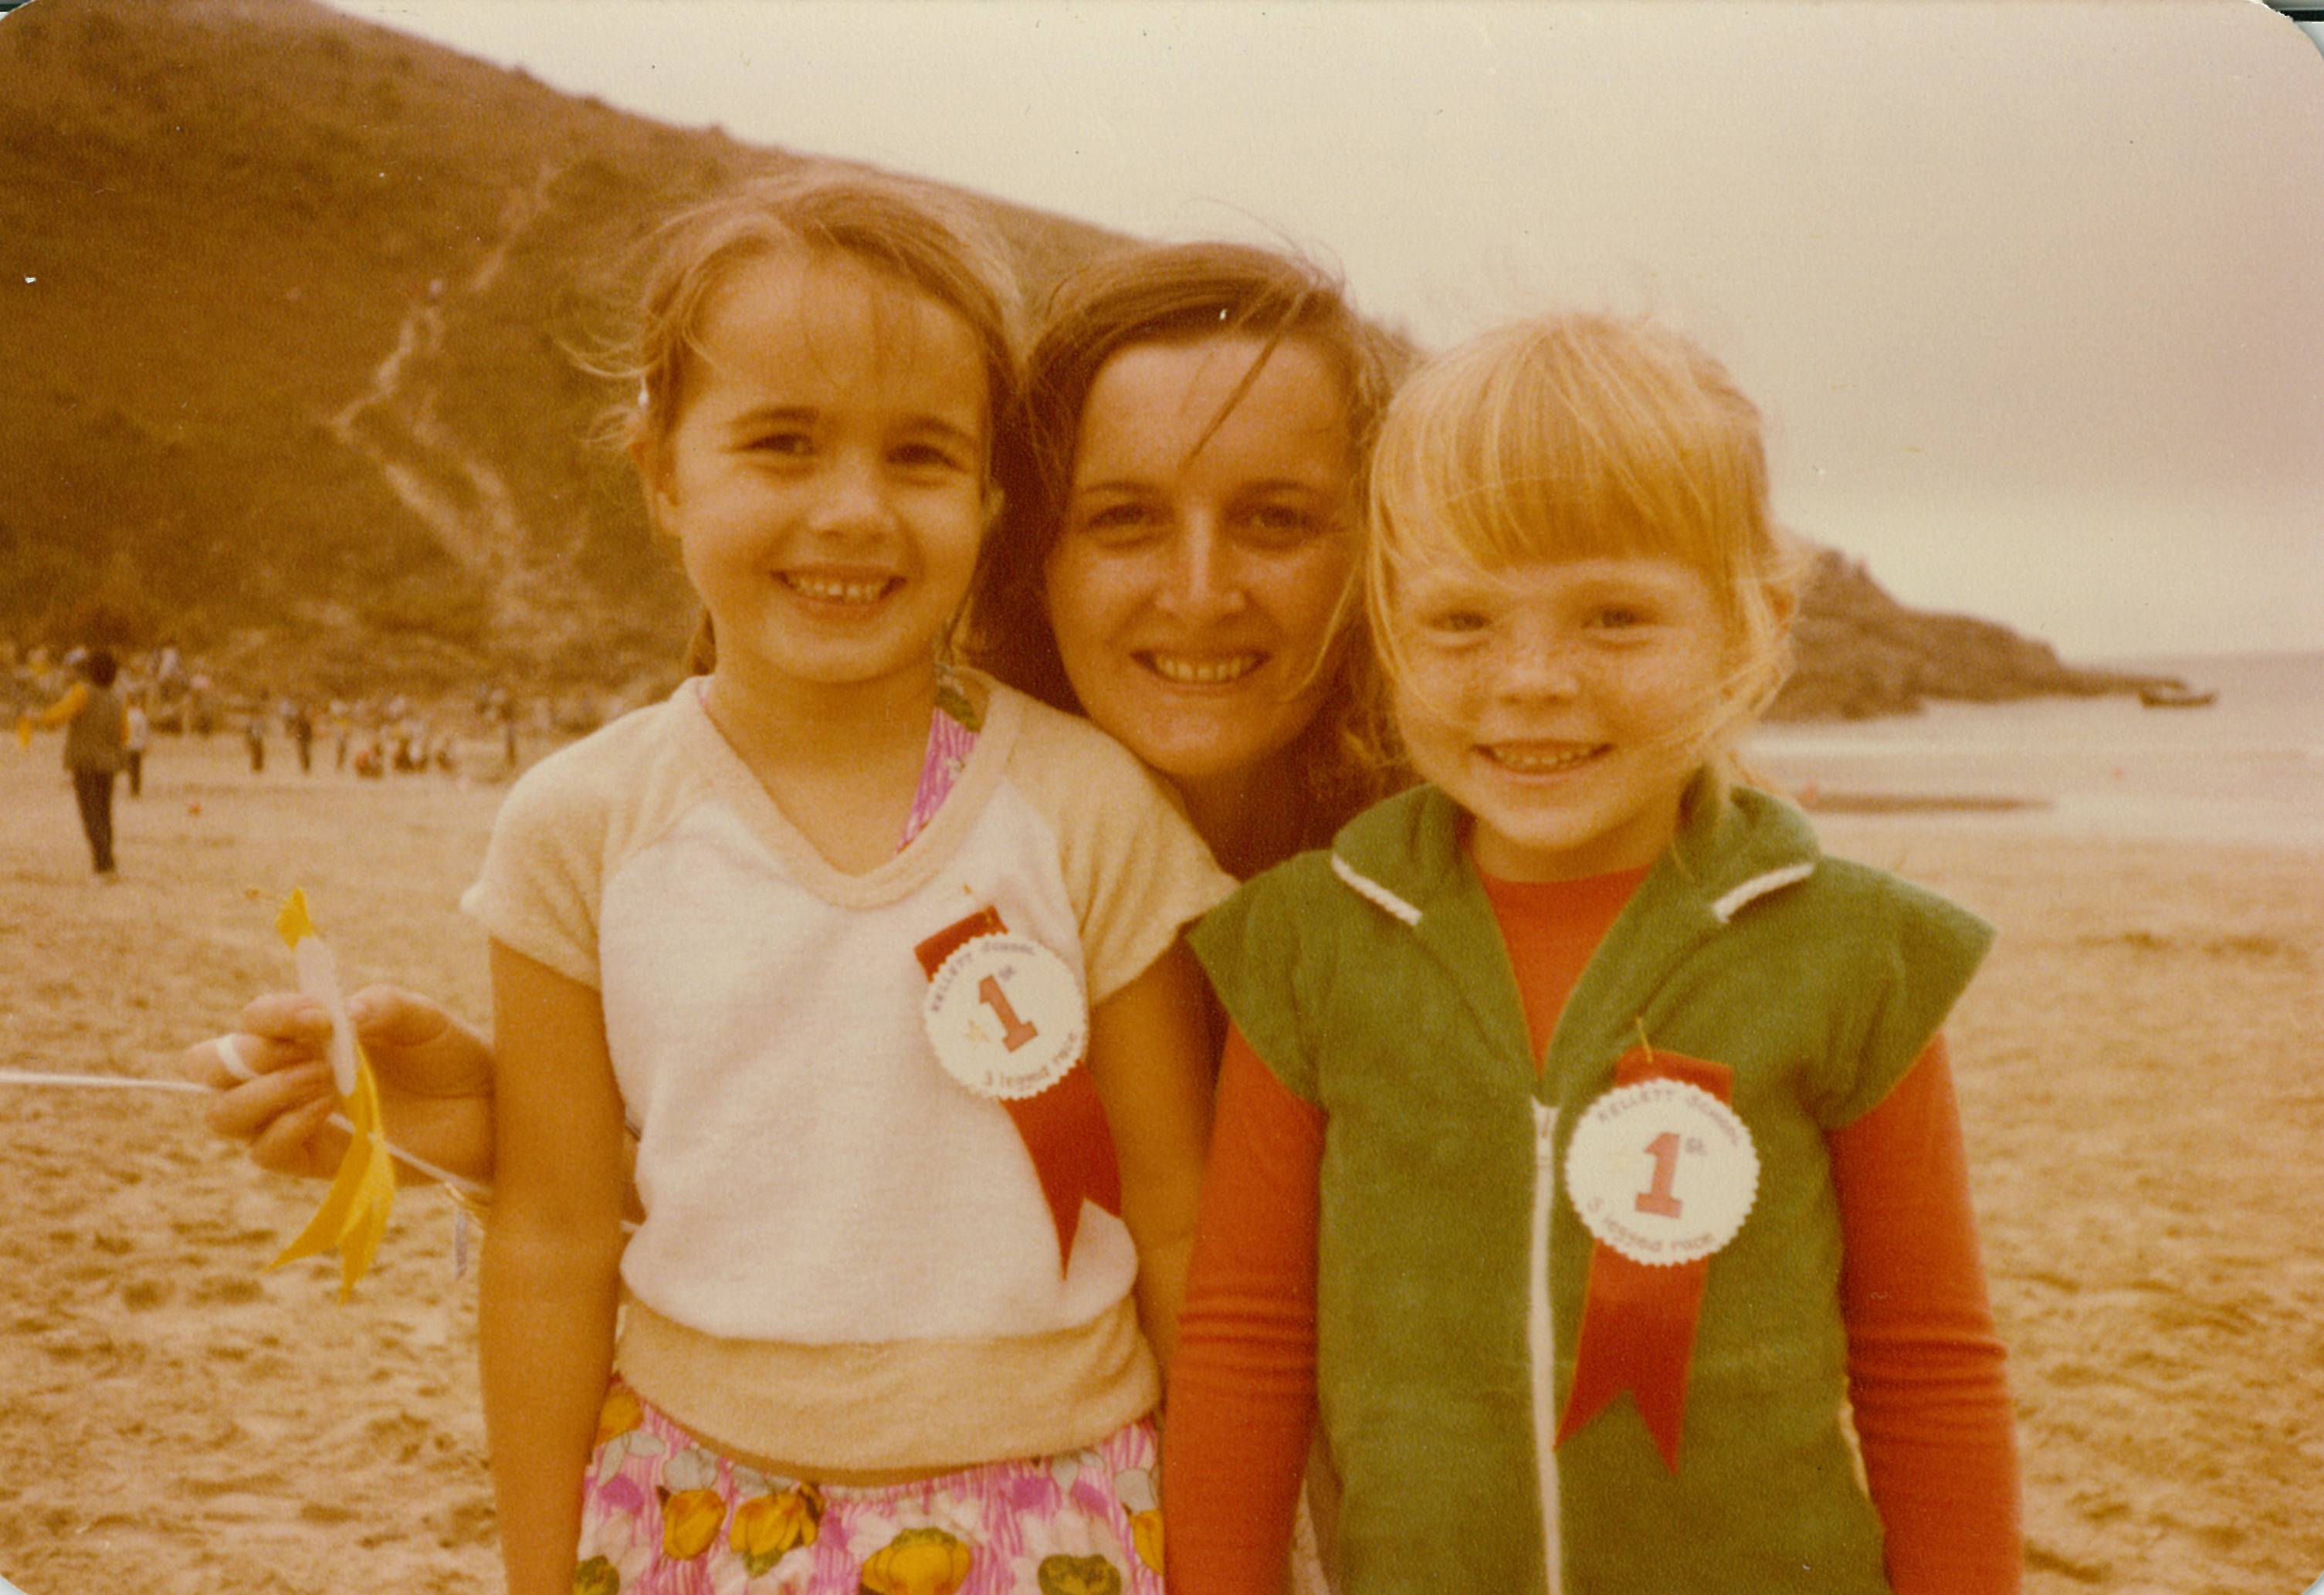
x=1064 y=1131
x=1661 y=1395
x=1638 y=1321
x=1595 y=1383
x=1638 y=1335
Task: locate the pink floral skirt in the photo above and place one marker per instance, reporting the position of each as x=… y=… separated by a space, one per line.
x=661 y=1513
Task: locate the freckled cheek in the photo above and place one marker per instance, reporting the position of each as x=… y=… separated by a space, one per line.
x=1436 y=744
x=1486 y=667
x=1662 y=689
x=1436 y=700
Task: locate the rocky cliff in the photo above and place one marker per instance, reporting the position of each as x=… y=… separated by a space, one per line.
x=1860 y=653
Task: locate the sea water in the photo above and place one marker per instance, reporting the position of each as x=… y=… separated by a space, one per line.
x=2247 y=770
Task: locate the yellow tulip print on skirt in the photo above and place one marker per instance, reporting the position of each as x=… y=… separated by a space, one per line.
x=663 y=1515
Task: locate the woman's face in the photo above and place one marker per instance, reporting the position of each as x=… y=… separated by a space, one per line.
x=1204 y=550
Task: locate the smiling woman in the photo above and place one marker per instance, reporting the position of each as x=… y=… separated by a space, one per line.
x=1204 y=550
x=1180 y=528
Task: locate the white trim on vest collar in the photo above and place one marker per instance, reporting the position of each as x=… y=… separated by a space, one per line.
x=1373 y=892
x=1757 y=887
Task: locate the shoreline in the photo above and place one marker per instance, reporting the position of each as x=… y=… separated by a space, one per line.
x=1814 y=801
x=2248 y=771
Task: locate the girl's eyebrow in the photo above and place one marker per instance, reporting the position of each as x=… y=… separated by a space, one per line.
x=921 y=424
x=1439 y=585
x=766 y=415
x=1639 y=584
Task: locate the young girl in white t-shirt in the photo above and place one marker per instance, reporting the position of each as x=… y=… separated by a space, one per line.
x=877 y=959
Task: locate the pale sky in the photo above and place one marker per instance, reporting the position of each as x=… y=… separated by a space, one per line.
x=2032 y=291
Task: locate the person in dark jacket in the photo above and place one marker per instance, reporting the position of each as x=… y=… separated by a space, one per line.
x=95 y=726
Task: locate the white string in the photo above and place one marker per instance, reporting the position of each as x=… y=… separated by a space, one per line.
x=142 y=1083
x=98 y=1082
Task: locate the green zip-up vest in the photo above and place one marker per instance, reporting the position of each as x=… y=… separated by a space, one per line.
x=1374 y=982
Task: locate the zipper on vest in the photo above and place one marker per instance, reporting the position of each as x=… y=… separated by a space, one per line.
x=1541 y=1347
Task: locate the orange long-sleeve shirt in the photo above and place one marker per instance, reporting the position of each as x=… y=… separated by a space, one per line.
x=1926 y=1368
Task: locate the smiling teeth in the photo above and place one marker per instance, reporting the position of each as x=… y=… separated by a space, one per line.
x=1532 y=764
x=835 y=591
x=1204 y=672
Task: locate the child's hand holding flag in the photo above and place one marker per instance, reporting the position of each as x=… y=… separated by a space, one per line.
x=354 y=1214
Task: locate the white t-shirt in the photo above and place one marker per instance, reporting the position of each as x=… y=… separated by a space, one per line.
x=810 y=1174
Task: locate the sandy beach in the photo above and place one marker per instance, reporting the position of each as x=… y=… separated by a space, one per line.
x=2138 y=1070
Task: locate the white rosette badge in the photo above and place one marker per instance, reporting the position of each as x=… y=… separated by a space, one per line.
x=1662 y=1171
x=1005 y=1016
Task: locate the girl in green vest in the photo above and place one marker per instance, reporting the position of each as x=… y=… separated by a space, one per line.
x=1586 y=1150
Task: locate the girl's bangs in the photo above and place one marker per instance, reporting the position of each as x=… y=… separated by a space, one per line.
x=1510 y=455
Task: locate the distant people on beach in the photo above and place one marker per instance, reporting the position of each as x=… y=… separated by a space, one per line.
x=253 y=738
x=140 y=732
x=301 y=727
x=498 y=706
x=95 y=728
x=201 y=711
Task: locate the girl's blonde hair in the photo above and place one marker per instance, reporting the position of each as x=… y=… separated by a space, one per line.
x=921 y=237
x=1185 y=294
x=1571 y=436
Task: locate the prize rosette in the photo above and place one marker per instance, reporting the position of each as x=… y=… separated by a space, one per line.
x=1007 y=1019
x=1662 y=1172
x=1006 y=1016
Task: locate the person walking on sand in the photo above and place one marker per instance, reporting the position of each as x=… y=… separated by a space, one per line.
x=95 y=729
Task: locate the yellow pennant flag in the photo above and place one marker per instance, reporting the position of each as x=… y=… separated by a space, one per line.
x=354 y=1214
